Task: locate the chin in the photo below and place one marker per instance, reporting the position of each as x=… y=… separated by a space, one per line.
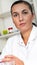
x=23 y=29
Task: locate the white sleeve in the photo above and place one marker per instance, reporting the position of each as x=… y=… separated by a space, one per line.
x=7 y=48
x=30 y=62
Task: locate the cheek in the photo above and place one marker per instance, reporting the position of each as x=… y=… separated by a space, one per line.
x=28 y=19
x=15 y=21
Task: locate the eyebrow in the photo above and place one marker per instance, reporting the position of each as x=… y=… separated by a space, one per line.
x=24 y=10
x=14 y=13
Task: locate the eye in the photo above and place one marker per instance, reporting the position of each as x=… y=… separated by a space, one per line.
x=25 y=12
x=15 y=14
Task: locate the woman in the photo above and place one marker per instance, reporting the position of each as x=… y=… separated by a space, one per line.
x=22 y=48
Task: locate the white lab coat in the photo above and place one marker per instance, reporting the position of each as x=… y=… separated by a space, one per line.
x=15 y=46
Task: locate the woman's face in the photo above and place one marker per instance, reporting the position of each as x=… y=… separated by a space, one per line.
x=22 y=16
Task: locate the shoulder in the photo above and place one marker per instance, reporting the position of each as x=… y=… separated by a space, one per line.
x=35 y=31
x=35 y=28
x=13 y=39
x=10 y=44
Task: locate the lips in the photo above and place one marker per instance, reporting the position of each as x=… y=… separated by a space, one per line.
x=22 y=24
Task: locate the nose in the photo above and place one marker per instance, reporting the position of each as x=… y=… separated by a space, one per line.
x=20 y=17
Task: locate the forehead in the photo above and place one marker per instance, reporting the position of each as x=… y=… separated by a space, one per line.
x=20 y=7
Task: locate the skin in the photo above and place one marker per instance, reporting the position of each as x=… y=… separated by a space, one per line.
x=22 y=18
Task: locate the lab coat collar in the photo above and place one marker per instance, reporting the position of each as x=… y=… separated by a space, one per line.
x=32 y=36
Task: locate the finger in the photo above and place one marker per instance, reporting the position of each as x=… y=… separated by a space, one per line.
x=9 y=56
x=7 y=59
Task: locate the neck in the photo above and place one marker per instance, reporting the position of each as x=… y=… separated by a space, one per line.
x=25 y=35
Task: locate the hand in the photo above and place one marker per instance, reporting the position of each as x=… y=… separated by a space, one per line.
x=9 y=58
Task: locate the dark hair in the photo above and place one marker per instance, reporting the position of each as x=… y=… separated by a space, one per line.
x=22 y=1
